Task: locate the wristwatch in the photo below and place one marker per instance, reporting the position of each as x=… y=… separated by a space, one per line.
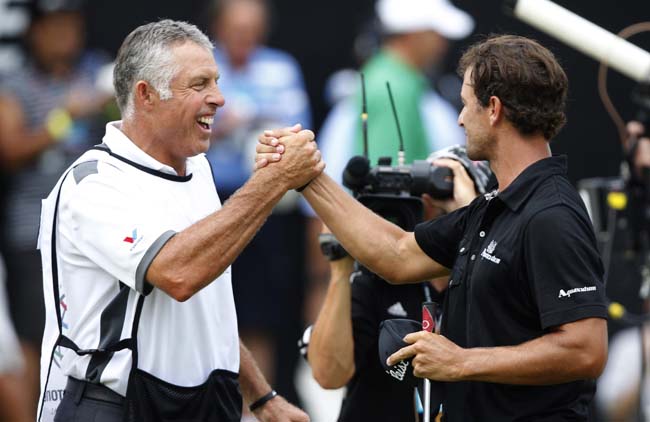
x=330 y=247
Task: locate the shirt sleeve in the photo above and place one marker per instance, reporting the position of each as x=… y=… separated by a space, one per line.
x=108 y=221
x=564 y=267
x=365 y=321
x=439 y=238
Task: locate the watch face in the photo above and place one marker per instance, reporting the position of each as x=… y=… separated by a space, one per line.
x=330 y=247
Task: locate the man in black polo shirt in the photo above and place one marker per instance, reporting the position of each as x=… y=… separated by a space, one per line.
x=524 y=331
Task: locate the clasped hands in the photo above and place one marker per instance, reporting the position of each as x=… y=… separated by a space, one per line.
x=294 y=150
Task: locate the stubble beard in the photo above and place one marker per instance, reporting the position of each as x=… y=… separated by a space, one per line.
x=478 y=147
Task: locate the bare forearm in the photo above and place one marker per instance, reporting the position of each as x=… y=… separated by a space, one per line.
x=573 y=351
x=551 y=359
x=197 y=255
x=19 y=148
x=372 y=240
x=251 y=380
x=331 y=347
x=18 y=143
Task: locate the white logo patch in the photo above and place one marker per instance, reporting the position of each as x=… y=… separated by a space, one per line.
x=568 y=293
x=397 y=309
x=487 y=253
x=399 y=371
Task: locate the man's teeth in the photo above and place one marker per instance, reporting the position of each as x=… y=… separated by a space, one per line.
x=206 y=120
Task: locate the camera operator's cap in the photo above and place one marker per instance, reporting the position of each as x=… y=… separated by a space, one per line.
x=391 y=335
x=405 y=16
x=479 y=171
x=42 y=8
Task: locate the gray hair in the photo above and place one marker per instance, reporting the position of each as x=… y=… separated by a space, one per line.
x=145 y=55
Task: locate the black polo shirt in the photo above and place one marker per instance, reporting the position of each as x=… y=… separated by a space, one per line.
x=523 y=261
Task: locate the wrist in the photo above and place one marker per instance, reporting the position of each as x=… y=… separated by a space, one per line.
x=259 y=403
x=341 y=269
x=464 y=365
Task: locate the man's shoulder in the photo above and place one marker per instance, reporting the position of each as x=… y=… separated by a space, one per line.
x=94 y=168
x=555 y=196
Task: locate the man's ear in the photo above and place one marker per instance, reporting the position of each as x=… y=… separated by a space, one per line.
x=495 y=107
x=145 y=95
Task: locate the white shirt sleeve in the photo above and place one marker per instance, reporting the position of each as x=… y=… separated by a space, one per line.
x=107 y=221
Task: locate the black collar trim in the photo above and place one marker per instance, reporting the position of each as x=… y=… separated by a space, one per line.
x=173 y=178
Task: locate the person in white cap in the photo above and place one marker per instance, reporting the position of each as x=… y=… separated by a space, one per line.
x=416 y=36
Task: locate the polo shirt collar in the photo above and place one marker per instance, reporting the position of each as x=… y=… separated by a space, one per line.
x=515 y=195
x=121 y=145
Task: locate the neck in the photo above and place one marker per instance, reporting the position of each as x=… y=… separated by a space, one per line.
x=400 y=48
x=514 y=153
x=144 y=137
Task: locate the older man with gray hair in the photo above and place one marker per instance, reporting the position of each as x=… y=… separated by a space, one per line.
x=137 y=249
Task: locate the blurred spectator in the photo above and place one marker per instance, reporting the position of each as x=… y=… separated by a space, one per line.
x=623 y=393
x=416 y=39
x=13 y=399
x=48 y=113
x=263 y=88
x=14 y=19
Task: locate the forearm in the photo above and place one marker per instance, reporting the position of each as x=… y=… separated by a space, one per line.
x=331 y=346
x=369 y=238
x=551 y=359
x=624 y=407
x=197 y=255
x=13 y=403
x=18 y=143
x=251 y=380
x=20 y=148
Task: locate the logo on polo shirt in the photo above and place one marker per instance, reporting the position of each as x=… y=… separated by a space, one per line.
x=133 y=239
x=397 y=309
x=487 y=253
x=568 y=293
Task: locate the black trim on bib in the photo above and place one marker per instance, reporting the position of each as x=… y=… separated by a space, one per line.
x=173 y=178
x=148 y=398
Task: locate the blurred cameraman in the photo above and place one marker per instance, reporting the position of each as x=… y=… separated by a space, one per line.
x=344 y=339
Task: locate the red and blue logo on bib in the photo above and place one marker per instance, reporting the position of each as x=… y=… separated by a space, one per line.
x=133 y=237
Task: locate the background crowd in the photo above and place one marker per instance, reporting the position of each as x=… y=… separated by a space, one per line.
x=281 y=62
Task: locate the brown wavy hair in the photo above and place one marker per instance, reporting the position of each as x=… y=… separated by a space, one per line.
x=525 y=76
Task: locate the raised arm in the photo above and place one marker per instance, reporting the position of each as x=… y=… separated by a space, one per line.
x=197 y=255
x=378 y=244
x=331 y=346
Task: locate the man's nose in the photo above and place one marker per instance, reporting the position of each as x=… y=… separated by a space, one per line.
x=215 y=98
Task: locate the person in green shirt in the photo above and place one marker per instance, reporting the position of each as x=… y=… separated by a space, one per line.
x=416 y=39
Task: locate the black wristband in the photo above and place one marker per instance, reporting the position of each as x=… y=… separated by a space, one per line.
x=262 y=400
x=330 y=247
x=302 y=188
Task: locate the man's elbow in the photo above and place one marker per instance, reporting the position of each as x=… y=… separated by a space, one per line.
x=592 y=357
x=330 y=379
x=174 y=285
x=595 y=361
